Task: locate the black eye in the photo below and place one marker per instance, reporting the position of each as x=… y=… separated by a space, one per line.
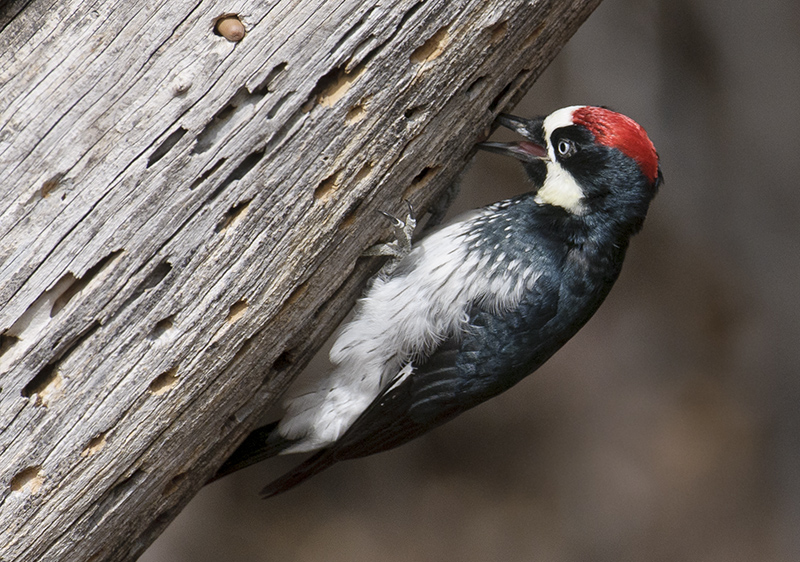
x=566 y=148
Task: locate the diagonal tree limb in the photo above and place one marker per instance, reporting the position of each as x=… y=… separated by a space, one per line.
x=182 y=216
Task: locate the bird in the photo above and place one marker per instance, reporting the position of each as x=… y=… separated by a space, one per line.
x=478 y=304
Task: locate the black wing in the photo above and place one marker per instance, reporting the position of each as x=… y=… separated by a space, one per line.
x=494 y=353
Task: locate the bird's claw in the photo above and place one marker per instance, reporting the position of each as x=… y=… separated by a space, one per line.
x=403 y=231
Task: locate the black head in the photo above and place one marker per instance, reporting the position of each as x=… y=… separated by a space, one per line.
x=587 y=160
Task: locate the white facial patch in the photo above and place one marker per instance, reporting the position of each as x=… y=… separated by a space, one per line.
x=558 y=119
x=560 y=188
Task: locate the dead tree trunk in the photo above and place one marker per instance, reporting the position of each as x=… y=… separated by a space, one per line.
x=181 y=219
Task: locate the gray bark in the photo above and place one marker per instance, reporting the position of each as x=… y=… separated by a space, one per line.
x=182 y=216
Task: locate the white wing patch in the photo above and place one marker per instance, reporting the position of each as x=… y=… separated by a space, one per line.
x=399 y=320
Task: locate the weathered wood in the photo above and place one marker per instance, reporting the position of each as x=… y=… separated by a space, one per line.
x=181 y=220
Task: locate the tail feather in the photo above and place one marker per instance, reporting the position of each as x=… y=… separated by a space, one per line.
x=308 y=468
x=261 y=444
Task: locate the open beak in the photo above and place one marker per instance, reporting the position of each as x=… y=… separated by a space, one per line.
x=526 y=150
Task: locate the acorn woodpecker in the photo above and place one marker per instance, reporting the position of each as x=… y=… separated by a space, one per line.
x=476 y=306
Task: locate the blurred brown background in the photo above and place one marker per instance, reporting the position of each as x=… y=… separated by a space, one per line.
x=669 y=428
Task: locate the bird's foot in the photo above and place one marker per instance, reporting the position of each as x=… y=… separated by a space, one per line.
x=398 y=248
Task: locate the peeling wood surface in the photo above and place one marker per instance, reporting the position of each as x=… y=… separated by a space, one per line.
x=182 y=216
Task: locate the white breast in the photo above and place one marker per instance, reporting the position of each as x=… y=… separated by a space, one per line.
x=400 y=319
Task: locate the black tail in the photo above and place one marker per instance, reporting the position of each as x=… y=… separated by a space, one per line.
x=261 y=444
x=308 y=468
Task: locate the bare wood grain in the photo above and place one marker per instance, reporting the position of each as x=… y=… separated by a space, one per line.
x=182 y=216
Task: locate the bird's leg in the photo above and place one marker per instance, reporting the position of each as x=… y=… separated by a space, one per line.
x=398 y=248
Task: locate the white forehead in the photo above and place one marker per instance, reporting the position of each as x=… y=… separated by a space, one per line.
x=559 y=118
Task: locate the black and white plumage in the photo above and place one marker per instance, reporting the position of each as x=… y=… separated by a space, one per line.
x=479 y=304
